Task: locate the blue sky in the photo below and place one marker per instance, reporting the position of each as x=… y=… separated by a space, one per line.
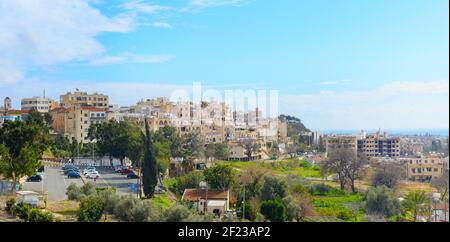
x=338 y=64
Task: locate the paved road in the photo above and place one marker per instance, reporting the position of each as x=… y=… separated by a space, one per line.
x=54 y=182
x=110 y=179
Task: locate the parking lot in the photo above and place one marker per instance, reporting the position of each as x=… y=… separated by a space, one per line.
x=55 y=183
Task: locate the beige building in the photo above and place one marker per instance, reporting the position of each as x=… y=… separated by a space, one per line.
x=379 y=146
x=334 y=143
x=84 y=99
x=40 y=104
x=425 y=168
x=74 y=122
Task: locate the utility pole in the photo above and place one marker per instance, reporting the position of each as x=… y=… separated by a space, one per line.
x=243 y=206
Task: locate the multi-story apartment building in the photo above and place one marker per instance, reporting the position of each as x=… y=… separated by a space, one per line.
x=74 y=122
x=425 y=168
x=40 y=104
x=334 y=143
x=379 y=146
x=84 y=99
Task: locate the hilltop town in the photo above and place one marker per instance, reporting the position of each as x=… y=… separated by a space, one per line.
x=226 y=164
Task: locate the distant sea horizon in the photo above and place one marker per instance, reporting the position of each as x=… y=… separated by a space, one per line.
x=392 y=132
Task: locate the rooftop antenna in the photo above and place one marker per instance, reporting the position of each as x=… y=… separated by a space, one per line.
x=44 y=92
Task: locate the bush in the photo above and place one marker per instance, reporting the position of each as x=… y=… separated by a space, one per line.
x=74 y=192
x=10 y=204
x=21 y=210
x=274 y=210
x=37 y=216
x=381 y=201
x=273 y=188
x=123 y=209
x=177 y=213
x=91 y=209
x=345 y=215
x=88 y=189
x=319 y=189
x=110 y=199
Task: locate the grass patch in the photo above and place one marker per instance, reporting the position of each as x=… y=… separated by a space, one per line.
x=162 y=201
x=345 y=207
x=286 y=167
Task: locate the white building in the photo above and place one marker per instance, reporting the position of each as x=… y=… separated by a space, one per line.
x=40 y=104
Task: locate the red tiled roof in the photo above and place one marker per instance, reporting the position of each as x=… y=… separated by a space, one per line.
x=94 y=109
x=60 y=110
x=193 y=195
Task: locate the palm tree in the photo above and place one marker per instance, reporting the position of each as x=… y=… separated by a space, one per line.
x=416 y=202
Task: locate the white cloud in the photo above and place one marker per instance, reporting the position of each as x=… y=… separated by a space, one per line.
x=163 y=25
x=391 y=106
x=214 y=3
x=130 y=58
x=43 y=33
x=142 y=7
x=334 y=83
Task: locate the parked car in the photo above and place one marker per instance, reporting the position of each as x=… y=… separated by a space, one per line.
x=73 y=174
x=118 y=169
x=34 y=178
x=125 y=171
x=92 y=175
x=91 y=169
x=132 y=176
x=71 y=170
x=41 y=169
x=90 y=172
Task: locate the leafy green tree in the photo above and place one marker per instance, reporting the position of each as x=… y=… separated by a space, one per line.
x=381 y=201
x=149 y=166
x=190 y=180
x=219 y=151
x=91 y=209
x=21 y=148
x=221 y=176
x=274 y=210
x=117 y=139
x=193 y=146
x=172 y=137
x=416 y=202
x=273 y=188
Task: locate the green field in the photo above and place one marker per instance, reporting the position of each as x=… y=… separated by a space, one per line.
x=287 y=167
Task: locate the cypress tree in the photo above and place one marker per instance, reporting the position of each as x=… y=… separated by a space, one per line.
x=149 y=166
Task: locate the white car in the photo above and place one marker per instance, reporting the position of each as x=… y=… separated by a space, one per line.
x=90 y=171
x=92 y=175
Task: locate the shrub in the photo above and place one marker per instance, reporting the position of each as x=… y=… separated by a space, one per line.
x=10 y=204
x=37 y=216
x=274 y=210
x=320 y=189
x=273 y=188
x=91 y=209
x=123 y=209
x=345 y=215
x=381 y=201
x=110 y=199
x=74 y=192
x=177 y=213
x=88 y=189
x=21 y=210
